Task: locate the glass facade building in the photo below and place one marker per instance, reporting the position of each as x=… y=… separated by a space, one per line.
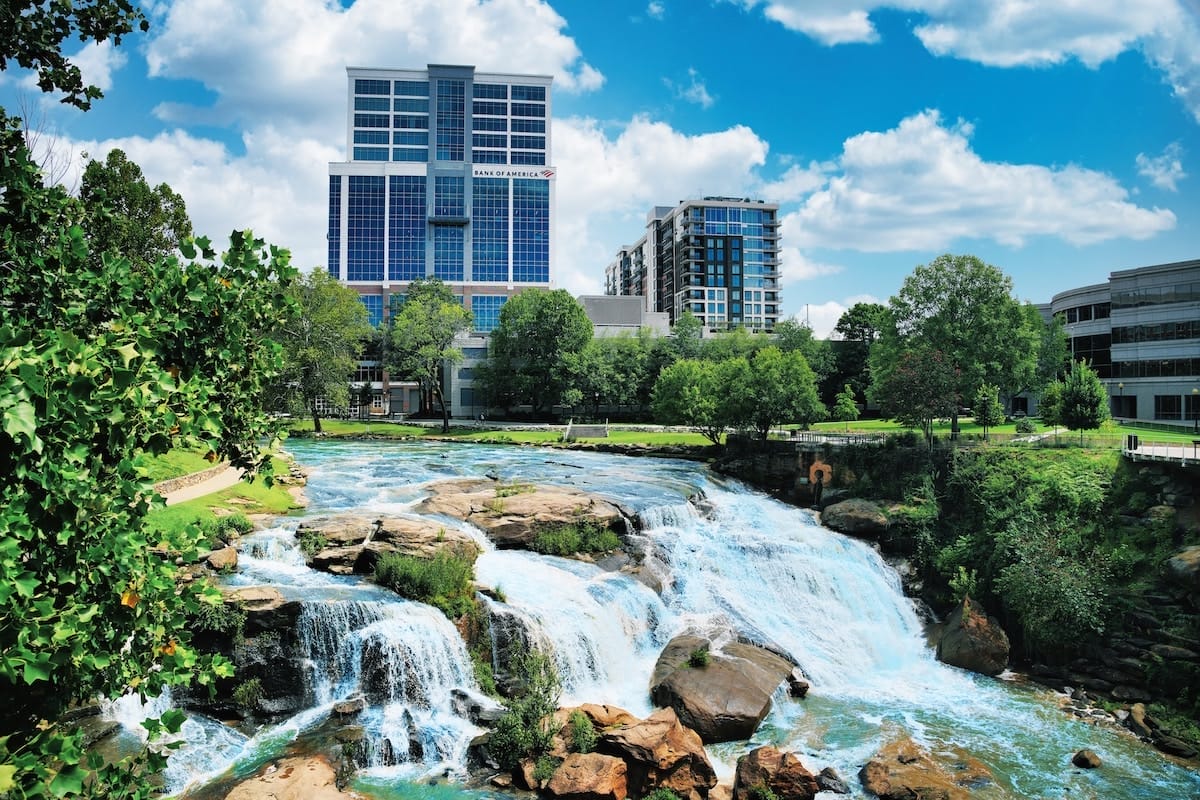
x=717 y=257
x=448 y=174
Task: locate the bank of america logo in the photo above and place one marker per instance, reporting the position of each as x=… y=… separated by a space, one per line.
x=547 y=173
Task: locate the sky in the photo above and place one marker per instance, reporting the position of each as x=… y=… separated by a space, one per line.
x=1056 y=139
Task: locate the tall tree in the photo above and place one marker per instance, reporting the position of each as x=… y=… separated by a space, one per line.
x=793 y=335
x=128 y=216
x=776 y=388
x=322 y=345
x=421 y=337
x=1083 y=405
x=537 y=331
x=963 y=309
x=987 y=408
x=857 y=330
x=692 y=392
x=845 y=409
x=687 y=334
x=918 y=389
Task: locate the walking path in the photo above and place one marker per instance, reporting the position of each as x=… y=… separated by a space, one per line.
x=222 y=480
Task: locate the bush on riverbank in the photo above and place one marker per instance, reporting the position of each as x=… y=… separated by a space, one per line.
x=575 y=537
x=443 y=581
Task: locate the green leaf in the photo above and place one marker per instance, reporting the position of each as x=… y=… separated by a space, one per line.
x=21 y=420
x=7 y=784
x=128 y=352
x=68 y=781
x=172 y=720
x=38 y=671
x=26 y=584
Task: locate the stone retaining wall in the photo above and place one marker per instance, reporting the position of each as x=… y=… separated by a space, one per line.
x=184 y=481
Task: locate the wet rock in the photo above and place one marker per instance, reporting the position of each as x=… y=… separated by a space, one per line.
x=856 y=517
x=223 y=560
x=659 y=752
x=973 y=640
x=1172 y=746
x=724 y=700
x=350 y=707
x=291 y=779
x=1138 y=721
x=830 y=781
x=480 y=709
x=589 y=776
x=1086 y=759
x=1183 y=568
x=797 y=686
x=354 y=543
x=781 y=772
x=904 y=771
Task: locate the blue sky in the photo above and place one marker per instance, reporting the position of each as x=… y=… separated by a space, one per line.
x=1056 y=140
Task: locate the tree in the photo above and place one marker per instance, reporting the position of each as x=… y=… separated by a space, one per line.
x=1083 y=405
x=792 y=335
x=691 y=392
x=857 y=330
x=776 y=388
x=734 y=343
x=1050 y=406
x=127 y=216
x=321 y=345
x=918 y=389
x=538 y=329
x=988 y=411
x=421 y=337
x=963 y=309
x=688 y=334
x=845 y=409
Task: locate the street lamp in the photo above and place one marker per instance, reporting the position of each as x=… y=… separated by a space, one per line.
x=1195 y=410
x=1121 y=405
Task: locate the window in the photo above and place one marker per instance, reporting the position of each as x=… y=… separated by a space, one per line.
x=448 y=194
x=370 y=154
x=489 y=222
x=410 y=154
x=490 y=140
x=531 y=230
x=489 y=156
x=374 y=304
x=406 y=228
x=529 y=125
x=409 y=122
x=370 y=137
x=451 y=120
x=528 y=158
x=334 y=235
x=372 y=104
x=528 y=110
x=489 y=109
x=529 y=142
x=448 y=253
x=412 y=106
x=485 y=308
x=1168 y=406
x=411 y=138
x=489 y=124
x=364 y=229
x=371 y=120
x=367 y=86
x=490 y=91
x=412 y=88
x=529 y=93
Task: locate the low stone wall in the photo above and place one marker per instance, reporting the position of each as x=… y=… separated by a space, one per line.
x=184 y=481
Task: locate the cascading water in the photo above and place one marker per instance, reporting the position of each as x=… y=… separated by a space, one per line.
x=738 y=562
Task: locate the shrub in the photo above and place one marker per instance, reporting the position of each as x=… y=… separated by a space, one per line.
x=583 y=536
x=661 y=794
x=220 y=617
x=1025 y=426
x=311 y=541
x=699 y=658
x=509 y=489
x=523 y=731
x=760 y=791
x=581 y=733
x=544 y=769
x=248 y=693
x=443 y=581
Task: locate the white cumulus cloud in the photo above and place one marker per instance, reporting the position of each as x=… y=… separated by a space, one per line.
x=1164 y=171
x=694 y=91
x=920 y=186
x=655 y=10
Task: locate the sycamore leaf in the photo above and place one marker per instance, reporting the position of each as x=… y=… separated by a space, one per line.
x=7 y=784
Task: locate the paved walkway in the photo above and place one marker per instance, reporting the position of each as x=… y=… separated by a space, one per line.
x=222 y=480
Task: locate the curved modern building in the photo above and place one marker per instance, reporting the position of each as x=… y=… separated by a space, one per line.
x=1140 y=331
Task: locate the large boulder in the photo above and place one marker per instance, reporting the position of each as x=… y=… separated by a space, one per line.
x=973 y=640
x=856 y=517
x=902 y=770
x=726 y=698
x=309 y=778
x=659 y=752
x=512 y=516
x=266 y=609
x=1184 y=568
x=354 y=543
x=778 y=771
x=590 y=776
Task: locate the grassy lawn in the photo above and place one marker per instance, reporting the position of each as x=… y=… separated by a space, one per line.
x=1109 y=435
x=351 y=427
x=175 y=464
x=246 y=498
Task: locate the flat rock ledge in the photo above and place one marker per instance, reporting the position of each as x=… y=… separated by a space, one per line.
x=512 y=515
x=293 y=779
x=353 y=543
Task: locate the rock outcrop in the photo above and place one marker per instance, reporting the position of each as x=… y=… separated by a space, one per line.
x=1183 y=568
x=659 y=752
x=856 y=517
x=353 y=543
x=779 y=771
x=904 y=771
x=292 y=779
x=973 y=640
x=725 y=699
x=1086 y=759
x=590 y=776
x=512 y=516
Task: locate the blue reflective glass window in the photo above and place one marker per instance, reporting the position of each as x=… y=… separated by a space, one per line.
x=410 y=154
x=374 y=304
x=411 y=137
x=490 y=91
x=370 y=137
x=531 y=231
x=529 y=93
x=371 y=104
x=364 y=229
x=367 y=86
x=448 y=253
x=411 y=122
x=485 y=308
x=371 y=120
x=489 y=156
x=529 y=126
x=406 y=227
x=489 y=229
x=334 y=235
x=414 y=106
x=489 y=124
x=528 y=158
x=480 y=107
x=412 y=88
x=528 y=110
x=490 y=140
x=370 y=154
x=448 y=196
x=529 y=142
x=451 y=120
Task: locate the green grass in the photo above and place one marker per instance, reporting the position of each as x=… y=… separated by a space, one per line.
x=1109 y=435
x=350 y=427
x=244 y=498
x=175 y=464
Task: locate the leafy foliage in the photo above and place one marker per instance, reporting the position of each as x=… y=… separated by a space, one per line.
x=988 y=411
x=583 y=536
x=443 y=581
x=689 y=392
x=311 y=541
x=321 y=344
x=776 y=388
x=421 y=336
x=1082 y=404
x=581 y=733
x=699 y=658
x=845 y=408
x=919 y=388
x=524 y=731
